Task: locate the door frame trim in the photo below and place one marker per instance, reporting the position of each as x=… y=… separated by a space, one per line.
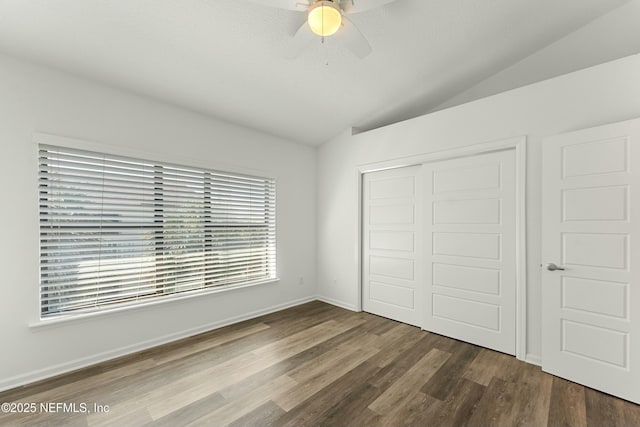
x=519 y=144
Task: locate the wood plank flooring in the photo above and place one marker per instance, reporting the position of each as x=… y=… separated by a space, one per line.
x=318 y=365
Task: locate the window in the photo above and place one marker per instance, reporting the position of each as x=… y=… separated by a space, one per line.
x=117 y=230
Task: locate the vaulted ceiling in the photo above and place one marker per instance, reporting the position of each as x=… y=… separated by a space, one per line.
x=225 y=57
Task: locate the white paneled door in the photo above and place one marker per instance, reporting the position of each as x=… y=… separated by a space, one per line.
x=391 y=245
x=469 y=230
x=439 y=247
x=591 y=258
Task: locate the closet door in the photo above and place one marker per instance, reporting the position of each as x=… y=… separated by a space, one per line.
x=392 y=285
x=469 y=240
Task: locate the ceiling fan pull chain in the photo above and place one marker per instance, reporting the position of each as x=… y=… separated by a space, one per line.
x=326 y=53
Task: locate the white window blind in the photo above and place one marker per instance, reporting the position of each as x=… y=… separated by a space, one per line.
x=117 y=230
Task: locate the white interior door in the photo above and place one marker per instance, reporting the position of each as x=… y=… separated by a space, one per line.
x=469 y=222
x=591 y=224
x=391 y=245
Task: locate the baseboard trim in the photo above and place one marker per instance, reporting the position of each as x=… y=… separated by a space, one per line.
x=63 y=368
x=337 y=303
x=534 y=359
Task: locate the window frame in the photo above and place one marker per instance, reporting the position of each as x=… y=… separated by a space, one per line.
x=177 y=161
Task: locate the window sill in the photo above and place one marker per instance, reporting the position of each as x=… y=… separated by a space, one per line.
x=72 y=318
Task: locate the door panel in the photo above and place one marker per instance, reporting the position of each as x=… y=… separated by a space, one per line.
x=469 y=221
x=473 y=313
x=483 y=211
x=391 y=245
x=468 y=245
x=590 y=212
x=482 y=280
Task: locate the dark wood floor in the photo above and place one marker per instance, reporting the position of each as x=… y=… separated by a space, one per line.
x=318 y=365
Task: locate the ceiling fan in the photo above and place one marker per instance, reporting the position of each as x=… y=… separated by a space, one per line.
x=327 y=18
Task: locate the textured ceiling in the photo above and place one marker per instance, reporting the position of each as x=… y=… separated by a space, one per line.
x=225 y=57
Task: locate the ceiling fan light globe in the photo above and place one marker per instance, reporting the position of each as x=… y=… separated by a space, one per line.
x=324 y=18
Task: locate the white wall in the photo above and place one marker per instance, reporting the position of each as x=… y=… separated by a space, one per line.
x=37 y=99
x=603 y=94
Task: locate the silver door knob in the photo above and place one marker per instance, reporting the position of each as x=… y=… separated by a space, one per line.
x=552 y=267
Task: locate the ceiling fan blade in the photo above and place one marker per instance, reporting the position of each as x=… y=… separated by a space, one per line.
x=357 y=6
x=299 y=5
x=353 y=39
x=302 y=38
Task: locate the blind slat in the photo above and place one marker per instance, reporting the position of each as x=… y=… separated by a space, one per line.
x=116 y=230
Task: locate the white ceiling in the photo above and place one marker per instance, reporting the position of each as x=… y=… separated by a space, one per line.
x=225 y=57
